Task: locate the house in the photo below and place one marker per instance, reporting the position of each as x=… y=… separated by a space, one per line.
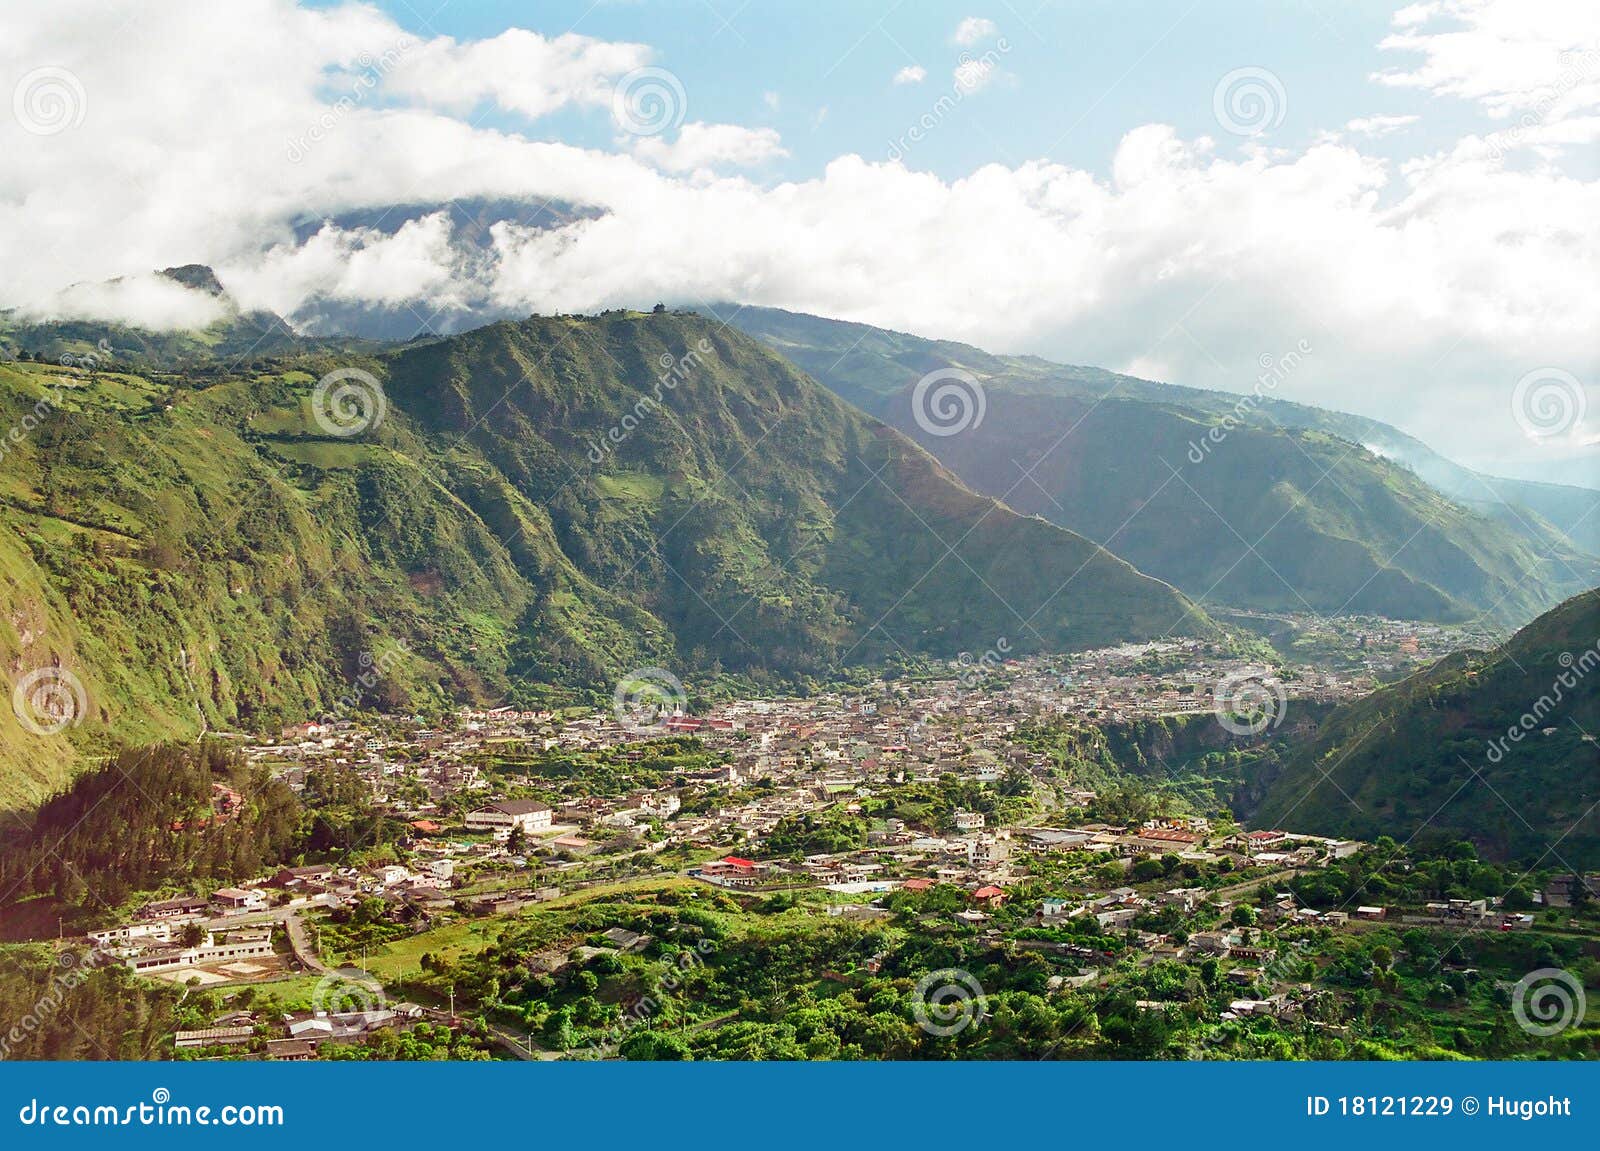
x=150 y=931
x=661 y=805
x=184 y=907
x=1119 y=917
x=917 y=884
x=528 y=814
x=989 y=896
x=969 y=821
x=1055 y=909
x=239 y=899
x=624 y=939
x=290 y=1050
x=170 y=957
x=1370 y=912
x=213 y=1037
x=296 y=876
x=733 y=871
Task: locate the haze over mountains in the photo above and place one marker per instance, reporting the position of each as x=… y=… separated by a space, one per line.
x=1245 y=500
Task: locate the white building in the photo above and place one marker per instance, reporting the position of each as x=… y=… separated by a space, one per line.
x=528 y=814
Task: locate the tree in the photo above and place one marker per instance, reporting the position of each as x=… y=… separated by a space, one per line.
x=652 y=1046
x=1244 y=916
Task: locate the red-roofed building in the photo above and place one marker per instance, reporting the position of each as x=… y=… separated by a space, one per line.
x=990 y=896
x=733 y=871
x=917 y=884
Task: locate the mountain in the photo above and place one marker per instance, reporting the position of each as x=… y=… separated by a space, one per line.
x=235 y=335
x=1243 y=500
x=524 y=512
x=1434 y=758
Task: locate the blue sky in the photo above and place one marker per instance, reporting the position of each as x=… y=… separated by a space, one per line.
x=1077 y=73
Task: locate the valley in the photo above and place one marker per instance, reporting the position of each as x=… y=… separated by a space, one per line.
x=599 y=687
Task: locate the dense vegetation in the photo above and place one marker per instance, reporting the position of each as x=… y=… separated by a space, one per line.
x=62 y=1005
x=1432 y=756
x=726 y=976
x=145 y=820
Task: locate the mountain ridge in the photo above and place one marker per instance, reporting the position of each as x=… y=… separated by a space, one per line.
x=1295 y=514
x=216 y=549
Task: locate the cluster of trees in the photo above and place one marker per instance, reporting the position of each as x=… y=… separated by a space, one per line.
x=146 y=819
x=61 y=1006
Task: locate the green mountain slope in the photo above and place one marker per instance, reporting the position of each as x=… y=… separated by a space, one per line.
x=200 y=551
x=1279 y=507
x=1432 y=757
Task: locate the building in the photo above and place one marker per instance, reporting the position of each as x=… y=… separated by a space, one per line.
x=239 y=899
x=527 y=814
x=184 y=907
x=257 y=945
x=213 y=1037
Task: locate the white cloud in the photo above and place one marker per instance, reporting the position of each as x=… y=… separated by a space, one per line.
x=1379 y=125
x=147 y=300
x=1427 y=288
x=356 y=265
x=973 y=29
x=520 y=71
x=974 y=75
x=911 y=74
x=708 y=146
x=1535 y=59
